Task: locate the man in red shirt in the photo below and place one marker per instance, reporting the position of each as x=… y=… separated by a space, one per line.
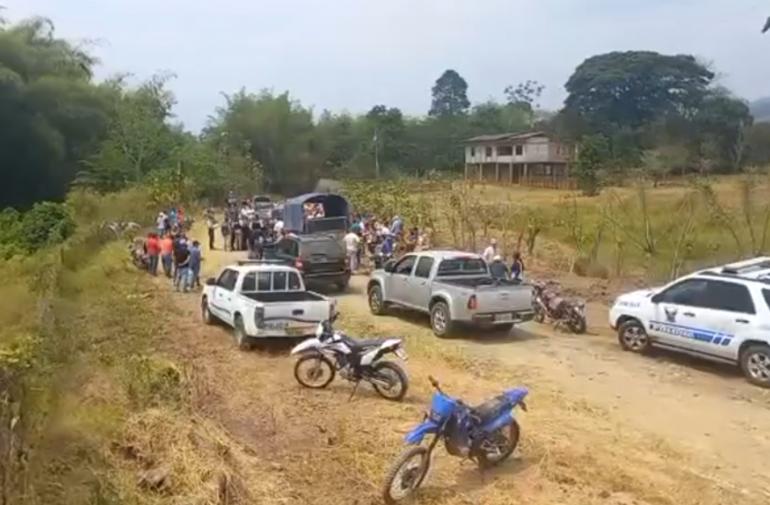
x=153 y=252
x=166 y=250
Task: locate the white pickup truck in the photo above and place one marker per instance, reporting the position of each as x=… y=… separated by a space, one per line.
x=263 y=299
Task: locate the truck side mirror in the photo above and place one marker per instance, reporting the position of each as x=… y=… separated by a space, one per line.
x=211 y=281
x=389 y=266
x=656 y=298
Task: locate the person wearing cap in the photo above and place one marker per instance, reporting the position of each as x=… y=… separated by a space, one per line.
x=491 y=251
x=497 y=268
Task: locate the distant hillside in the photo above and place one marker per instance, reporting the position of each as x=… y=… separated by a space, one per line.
x=760 y=109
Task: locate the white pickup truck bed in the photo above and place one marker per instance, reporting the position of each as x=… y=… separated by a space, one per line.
x=263 y=299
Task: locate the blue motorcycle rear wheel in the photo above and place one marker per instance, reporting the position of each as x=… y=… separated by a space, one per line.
x=406 y=474
x=498 y=446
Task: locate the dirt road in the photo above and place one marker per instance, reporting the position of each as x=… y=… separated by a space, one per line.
x=604 y=426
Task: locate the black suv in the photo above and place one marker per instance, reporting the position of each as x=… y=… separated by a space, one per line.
x=320 y=257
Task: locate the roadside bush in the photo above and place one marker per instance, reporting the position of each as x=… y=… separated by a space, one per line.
x=47 y=223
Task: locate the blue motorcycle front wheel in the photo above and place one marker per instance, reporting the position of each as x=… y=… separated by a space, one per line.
x=406 y=474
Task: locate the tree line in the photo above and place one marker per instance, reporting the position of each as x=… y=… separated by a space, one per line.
x=635 y=110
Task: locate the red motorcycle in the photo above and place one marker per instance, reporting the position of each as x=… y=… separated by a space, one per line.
x=550 y=305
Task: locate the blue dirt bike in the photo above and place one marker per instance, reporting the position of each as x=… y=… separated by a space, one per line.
x=487 y=434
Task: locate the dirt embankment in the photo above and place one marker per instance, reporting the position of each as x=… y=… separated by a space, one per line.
x=594 y=433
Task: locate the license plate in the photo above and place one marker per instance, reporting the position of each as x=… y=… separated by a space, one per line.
x=401 y=354
x=504 y=318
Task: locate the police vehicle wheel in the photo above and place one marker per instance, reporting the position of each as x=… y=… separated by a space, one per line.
x=755 y=363
x=633 y=337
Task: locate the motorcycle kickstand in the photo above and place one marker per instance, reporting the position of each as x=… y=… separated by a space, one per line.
x=355 y=388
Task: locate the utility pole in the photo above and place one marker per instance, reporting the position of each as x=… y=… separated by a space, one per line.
x=376 y=154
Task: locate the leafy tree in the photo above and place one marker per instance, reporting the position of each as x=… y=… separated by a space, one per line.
x=139 y=138
x=275 y=131
x=633 y=88
x=592 y=157
x=758 y=144
x=524 y=96
x=720 y=123
x=450 y=95
x=53 y=115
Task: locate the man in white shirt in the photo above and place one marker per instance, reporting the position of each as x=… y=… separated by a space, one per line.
x=278 y=228
x=352 y=242
x=491 y=251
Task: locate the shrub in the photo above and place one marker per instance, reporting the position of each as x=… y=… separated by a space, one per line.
x=45 y=224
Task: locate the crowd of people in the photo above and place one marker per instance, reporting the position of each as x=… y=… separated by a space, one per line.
x=243 y=228
x=377 y=240
x=370 y=239
x=497 y=266
x=168 y=251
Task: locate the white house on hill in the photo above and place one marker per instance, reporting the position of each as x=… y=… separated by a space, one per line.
x=530 y=158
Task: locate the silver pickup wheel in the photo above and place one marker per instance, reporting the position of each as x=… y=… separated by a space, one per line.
x=376 y=302
x=440 y=320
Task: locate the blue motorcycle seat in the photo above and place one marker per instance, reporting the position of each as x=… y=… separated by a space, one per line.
x=491 y=409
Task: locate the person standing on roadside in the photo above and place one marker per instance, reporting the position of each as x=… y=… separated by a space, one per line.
x=211 y=223
x=491 y=251
x=160 y=223
x=182 y=263
x=517 y=268
x=153 y=252
x=194 y=279
x=166 y=252
x=352 y=243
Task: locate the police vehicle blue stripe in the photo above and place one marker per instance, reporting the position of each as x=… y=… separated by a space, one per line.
x=697 y=334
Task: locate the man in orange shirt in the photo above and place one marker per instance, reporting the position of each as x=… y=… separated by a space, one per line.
x=153 y=252
x=166 y=252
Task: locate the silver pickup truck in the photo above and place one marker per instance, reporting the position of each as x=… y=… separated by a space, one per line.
x=453 y=287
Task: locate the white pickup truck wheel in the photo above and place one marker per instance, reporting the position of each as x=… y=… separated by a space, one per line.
x=239 y=334
x=206 y=315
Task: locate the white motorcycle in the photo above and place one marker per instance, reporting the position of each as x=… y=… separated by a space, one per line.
x=320 y=358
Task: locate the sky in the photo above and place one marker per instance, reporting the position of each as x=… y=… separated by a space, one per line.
x=348 y=55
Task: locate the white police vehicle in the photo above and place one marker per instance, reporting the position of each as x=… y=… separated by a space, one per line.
x=721 y=314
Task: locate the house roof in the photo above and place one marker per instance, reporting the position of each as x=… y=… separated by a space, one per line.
x=505 y=137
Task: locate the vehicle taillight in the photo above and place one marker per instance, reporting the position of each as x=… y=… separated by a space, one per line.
x=299 y=265
x=473 y=303
x=259 y=317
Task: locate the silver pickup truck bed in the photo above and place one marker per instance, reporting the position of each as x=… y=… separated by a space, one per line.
x=454 y=288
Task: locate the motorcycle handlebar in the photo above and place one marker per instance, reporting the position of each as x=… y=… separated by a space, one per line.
x=435 y=384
